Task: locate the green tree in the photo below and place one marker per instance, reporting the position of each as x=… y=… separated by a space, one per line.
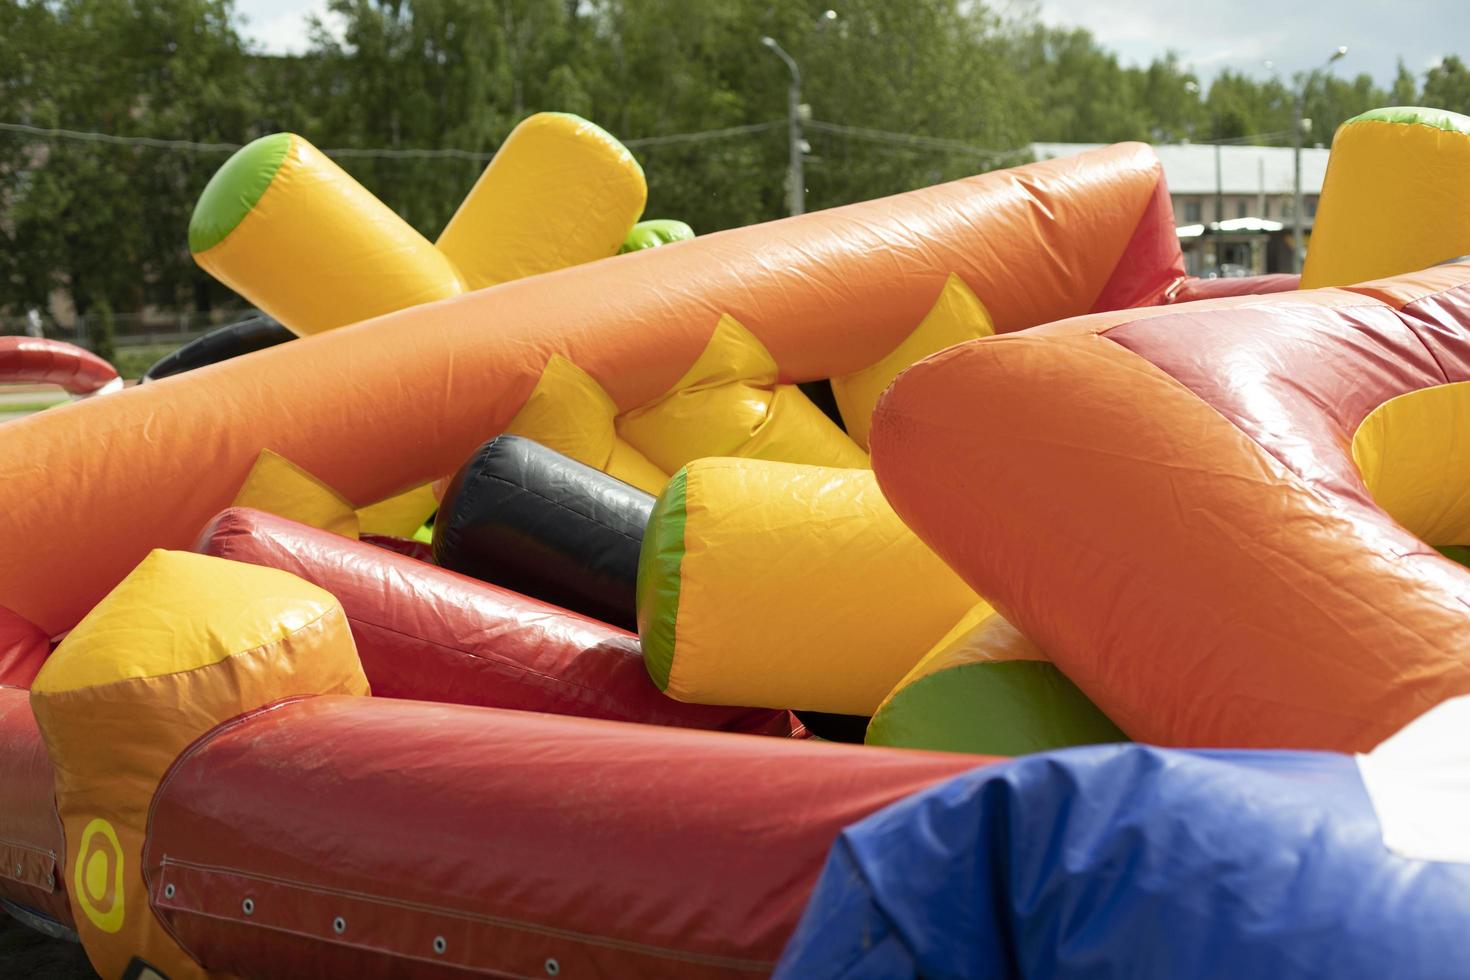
x=103 y=221
x=1447 y=85
x=1405 y=89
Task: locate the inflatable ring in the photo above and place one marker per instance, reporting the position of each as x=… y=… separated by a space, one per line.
x=1175 y=511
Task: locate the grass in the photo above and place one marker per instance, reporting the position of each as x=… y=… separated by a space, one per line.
x=25 y=408
x=131 y=362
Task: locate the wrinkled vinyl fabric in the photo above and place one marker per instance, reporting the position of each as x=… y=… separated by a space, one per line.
x=1171 y=509
x=35 y=360
x=449 y=840
x=532 y=520
x=1130 y=861
x=427 y=634
x=400 y=401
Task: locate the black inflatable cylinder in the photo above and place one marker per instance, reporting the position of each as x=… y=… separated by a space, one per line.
x=241 y=337
x=529 y=519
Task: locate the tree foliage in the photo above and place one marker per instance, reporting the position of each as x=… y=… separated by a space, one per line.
x=107 y=223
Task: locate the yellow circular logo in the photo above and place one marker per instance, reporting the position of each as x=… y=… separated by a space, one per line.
x=97 y=876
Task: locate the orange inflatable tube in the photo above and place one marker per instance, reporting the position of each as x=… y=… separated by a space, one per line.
x=392 y=403
x=1219 y=520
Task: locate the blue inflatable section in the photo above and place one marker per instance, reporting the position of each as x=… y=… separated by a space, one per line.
x=1134 y=862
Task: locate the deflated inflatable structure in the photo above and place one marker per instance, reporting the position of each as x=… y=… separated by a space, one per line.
x=502 y=623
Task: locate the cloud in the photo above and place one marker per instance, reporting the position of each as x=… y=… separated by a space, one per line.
x=1295 y=36
x=280 y=26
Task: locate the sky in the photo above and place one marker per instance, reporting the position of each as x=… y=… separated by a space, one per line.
x=1208 y=34
x=278 y=26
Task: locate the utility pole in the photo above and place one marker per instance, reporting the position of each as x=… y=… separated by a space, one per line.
x=1298 y=127
x=1219 y=210
x=795 y=179
x=795 y=116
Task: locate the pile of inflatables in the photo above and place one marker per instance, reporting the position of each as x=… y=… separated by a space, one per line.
x=493 y=605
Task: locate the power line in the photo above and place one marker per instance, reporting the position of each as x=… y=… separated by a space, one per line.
x=704 y=136
x=390 y=153
x=910 y=139
x=862 y=133
x=72 y=134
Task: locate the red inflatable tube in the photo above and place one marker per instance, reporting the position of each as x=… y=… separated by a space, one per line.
x=23 y=649
x=340 y=837
x=31 y=845
x=1192 y=289
x=33 y=360
x=429 y=634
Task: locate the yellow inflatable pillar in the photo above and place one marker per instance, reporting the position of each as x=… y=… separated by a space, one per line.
x=1396 y=198
x=786 y=586
x=292 y=232
x=986 y=689
x=288 y=229
x=560 y=191
x=182 y=644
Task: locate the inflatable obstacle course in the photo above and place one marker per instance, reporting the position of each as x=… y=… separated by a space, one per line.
x=1106 y=502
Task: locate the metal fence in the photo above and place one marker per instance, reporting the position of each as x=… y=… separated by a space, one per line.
x=129 y=329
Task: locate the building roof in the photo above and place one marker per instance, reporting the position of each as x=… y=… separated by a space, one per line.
x=1190 y=167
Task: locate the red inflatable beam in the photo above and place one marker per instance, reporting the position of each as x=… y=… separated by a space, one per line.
x=341 y=837
x=23 y=649
x=428 y=634
x=31 y=845
x=33 y=360
x=1192 y=289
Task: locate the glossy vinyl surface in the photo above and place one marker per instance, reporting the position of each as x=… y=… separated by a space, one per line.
x=1172 y=512
x=31 y=844
x=1131 y=861
x=402 y=400
x=534 y=521
x=790 y=586
x=517 y=839
x=23 y=649
x=183 y=644
x=36 y=360
x=431 y=635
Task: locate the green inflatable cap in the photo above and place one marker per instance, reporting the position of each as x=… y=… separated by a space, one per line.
x=1008 y=707
x=235 y=189
x=659 y=562
x=1450 y=122
x=655 y=232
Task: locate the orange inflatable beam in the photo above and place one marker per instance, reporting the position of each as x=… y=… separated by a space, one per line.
x=394 y=402
x=1172 y=511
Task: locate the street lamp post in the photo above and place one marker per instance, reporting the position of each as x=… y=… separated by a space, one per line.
x=796 y=181
x=795 y=178
x=1298 y=124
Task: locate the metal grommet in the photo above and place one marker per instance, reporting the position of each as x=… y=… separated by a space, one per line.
x=168 y=891
x=552 y=967
x=248 y=906
x=440 y=945
x=339 y=925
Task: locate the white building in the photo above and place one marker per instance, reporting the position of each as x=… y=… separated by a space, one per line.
x=1254 y=188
